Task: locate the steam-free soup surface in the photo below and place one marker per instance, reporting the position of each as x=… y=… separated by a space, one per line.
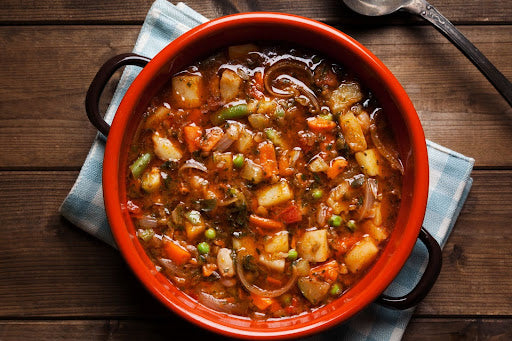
x=264 y=181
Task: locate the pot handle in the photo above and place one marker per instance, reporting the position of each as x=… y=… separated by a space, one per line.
x=92 y=99
x=426 y=281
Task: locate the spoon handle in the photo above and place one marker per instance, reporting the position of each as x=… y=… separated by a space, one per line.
x=430 y=13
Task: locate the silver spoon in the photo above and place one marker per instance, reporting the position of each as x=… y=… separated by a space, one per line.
x=428 y=12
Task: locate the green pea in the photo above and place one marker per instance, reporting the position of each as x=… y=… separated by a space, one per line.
x=210 y=233
x=238 y=161
x=335 y=220
x=292 y=254
x=351 y=225
x=317 y=193
x=335 y=289
x=203 y=248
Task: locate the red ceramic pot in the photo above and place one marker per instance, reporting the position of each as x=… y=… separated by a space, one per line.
x=253 y=27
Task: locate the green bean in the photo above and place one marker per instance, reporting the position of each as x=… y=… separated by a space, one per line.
x=236 y=111
x=139 y=165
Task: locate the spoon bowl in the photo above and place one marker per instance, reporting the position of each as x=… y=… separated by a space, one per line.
x=431 y=14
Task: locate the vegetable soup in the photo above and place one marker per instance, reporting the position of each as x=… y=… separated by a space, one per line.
x=264 y=181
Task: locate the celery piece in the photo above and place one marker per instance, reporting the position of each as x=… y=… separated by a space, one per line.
x=234 y=112
x=139 y=165
x=145 y=234
x=274 y=136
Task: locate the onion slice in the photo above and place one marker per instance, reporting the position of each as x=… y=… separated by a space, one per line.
x=263 y=292
x=224 y=143
x=370 y=194
x=220 y=304
x=193 y=164
x=389 y=154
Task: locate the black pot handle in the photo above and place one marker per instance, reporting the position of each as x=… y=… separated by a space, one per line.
x=92 y=99
x=435 y=260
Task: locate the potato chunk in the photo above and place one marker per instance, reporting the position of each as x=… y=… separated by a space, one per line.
x=313 y=246
x=344 y=96
x=165 y=149
x=275 y=194
x=352 y=132
x=361 y=255
x=313 y=290
x=151 y=180
x=187 y=90
x=229 y=85
x=369 y=161
x=277 y=243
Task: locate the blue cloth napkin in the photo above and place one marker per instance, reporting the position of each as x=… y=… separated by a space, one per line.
x=450 y=183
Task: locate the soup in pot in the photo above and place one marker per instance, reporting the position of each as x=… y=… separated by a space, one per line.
x=264 y=181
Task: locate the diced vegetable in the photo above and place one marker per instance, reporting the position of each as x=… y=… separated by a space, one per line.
x=378 y=233
x=291 y=214
x=245 y=141
x=344 y=96
x=275 y=137
x=151 y=180
x=275 y=194
x=302 y=267
x=335 y=200
x=238 y=51
x=288 y=160
x=192 y=134
x=261 y=302
x=193 y=231
x=165 y=149
x=177 y=253
x=258 y=121
x=265 y=223
x=369 y=161
x=156 y=118
x=276 y=243
x=145 y=234
x=351 y=225
x=229 y=85
x=139 y=165
x=327 y=272
x=336 y=167
x=194 y=217
x=212 y=137
x=225 y=263
x=352 y=132
x=320 y=124
x=276 y=264
x=229 y=113
x=187 y=90
x=251 y=171
x=238 y=160
x=313 y=290
x=268 y=160
x=317 y=164
x=223 y=160
x=335 y=289
x=313 y=246
x=361 y=255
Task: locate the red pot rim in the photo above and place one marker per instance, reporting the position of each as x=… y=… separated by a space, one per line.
x=375 y=282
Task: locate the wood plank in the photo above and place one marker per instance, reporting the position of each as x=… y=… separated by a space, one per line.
x=58 y=270
x=458 y=11
x=46 y=74
x=418 y=329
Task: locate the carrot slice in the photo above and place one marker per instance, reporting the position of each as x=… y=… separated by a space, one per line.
x=327 y=272
x=213 y=135
x=337 y=166
x=265 y=223
x=177 y=253
x=319 y=124
x=192 y=134
x=268 y=159
x=261 y=302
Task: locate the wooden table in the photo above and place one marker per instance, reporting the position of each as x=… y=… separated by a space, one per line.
x=57 y=282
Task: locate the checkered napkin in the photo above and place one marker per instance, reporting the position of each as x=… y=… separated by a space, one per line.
x=449 y=187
